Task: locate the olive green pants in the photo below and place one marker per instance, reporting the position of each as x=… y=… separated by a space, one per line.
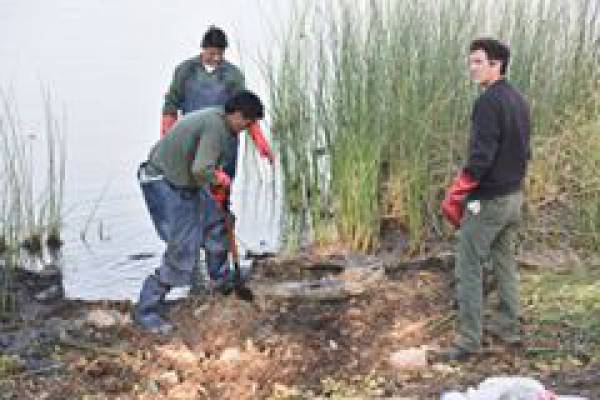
x=488 y=235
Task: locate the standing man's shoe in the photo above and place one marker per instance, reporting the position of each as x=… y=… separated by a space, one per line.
x=512 y=340
x=453 y=354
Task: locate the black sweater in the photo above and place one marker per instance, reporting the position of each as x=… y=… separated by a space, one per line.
x=499 y=143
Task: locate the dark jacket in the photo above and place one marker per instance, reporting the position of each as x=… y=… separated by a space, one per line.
x=499 y=142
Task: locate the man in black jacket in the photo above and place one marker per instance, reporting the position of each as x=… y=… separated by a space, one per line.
x=489 y=190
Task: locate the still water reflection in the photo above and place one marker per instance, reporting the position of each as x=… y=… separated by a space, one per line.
x=121 y=247
x=108 y=65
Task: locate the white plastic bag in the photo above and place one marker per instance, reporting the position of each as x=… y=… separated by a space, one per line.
x=507 y=388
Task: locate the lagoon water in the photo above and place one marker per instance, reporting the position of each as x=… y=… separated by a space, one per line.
x=107 y=65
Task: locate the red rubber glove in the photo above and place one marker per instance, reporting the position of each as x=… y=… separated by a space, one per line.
x=222 y=178
x=453 y=203
x=220 y=191
x=260 y=142
x=166 y=122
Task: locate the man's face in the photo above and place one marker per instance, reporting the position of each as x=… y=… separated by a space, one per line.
x=212 y=56
x=483 y=70
x=237 y=122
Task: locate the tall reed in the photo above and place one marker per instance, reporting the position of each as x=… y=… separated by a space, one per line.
x=56 y=151
x=371 y=103
x=28 y=215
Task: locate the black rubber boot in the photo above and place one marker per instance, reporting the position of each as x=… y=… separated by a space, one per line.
x=146 y=313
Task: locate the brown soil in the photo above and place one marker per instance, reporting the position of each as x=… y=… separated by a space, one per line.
x=225 y=348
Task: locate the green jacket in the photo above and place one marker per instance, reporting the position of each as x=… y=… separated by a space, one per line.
x=198 y=143
x=193 y=88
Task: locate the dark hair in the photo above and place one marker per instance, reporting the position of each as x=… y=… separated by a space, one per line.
x=248 y=103
x=494 y=49
x=214 y=37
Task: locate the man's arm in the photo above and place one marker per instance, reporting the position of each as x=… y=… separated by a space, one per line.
x=205 y=163
x=239 y=81
x=174 y=96
x=485 y=137
x=483 y=144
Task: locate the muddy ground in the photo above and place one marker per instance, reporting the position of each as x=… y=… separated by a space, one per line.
x=330 y=339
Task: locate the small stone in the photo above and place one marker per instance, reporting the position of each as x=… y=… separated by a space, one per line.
x=444 y=369
x=283 y=391
x=231 y=354
x=168 y=379
x=409 y=359
x=178 y=355
x=333 y=345
x=250 y=345
x=106 y=318
x=184 y=391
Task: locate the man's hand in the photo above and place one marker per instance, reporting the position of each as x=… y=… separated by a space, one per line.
x=222 y=178
x=453 y=203
x=220 y=190
x=166 y=122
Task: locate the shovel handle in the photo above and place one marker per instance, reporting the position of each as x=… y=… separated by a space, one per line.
x=229 y=226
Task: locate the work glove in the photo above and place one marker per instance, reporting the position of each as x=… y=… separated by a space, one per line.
x=166 y=122
x=260 y=142
x=454 y=202
x=220 y=190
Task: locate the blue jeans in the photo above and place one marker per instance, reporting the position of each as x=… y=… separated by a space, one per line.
x=186 y=219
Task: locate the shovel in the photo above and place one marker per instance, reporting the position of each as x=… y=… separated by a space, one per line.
x=241 y=291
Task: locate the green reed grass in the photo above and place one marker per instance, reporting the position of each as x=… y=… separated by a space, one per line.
x=564 y=187
x=370 y=102
x=56 y=152
x=30 y=211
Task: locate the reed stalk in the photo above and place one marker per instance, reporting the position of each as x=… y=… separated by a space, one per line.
x=28 y=215
x=371 y=104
